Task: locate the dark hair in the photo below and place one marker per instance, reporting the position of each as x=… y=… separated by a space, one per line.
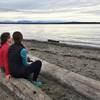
x=4 y=37
x=17 y=37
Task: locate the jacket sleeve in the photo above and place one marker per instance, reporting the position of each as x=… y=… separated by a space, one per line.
x=23 y=54
x=6 y=61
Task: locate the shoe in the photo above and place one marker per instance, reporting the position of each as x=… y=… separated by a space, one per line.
x=37 y=83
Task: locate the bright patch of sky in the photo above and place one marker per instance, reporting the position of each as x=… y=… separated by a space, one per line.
x=69 y=10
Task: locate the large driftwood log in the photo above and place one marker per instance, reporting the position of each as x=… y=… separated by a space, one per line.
x=24 y=89
x=83 y=85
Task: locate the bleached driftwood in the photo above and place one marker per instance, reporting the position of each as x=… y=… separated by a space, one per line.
x=24 y=89
x=83 y=85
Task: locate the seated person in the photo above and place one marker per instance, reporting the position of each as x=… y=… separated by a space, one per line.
x=5 y=43
x=18 y=64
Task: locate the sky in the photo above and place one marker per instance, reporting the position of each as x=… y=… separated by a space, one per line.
x=67 y=10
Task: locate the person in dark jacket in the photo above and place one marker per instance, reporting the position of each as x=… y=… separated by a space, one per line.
x=18 y=62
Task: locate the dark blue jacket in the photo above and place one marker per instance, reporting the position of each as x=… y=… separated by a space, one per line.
x=15 y=59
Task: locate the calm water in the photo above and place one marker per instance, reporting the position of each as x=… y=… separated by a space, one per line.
x=71 y=34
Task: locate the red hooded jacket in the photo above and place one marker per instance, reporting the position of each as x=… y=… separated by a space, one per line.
x=4 y=57
x=0 y=58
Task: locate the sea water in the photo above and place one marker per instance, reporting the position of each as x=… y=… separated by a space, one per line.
x=77 y=34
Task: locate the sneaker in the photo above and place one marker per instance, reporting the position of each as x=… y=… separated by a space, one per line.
x=37 y=83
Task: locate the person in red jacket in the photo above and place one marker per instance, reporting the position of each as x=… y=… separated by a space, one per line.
x=0 y=58
x=5 y=43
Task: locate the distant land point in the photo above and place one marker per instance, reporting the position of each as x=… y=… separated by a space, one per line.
x=45 y=22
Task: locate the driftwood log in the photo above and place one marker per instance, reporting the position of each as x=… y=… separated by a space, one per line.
x=81 y=84
x=24 y=89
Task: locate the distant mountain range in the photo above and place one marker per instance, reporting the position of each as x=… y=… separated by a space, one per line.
x=45 y=22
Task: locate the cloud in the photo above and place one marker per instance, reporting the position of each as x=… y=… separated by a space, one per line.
x=45 y=4
x=46 y=9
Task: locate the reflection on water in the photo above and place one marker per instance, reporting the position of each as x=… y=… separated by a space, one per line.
x=74 y=34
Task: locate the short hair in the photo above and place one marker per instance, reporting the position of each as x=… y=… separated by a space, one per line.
x=4 y=37
x=17 y=37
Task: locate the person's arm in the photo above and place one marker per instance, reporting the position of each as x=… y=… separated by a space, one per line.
x=23 y=54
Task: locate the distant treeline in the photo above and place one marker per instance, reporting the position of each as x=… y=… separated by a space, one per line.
x=49 y=22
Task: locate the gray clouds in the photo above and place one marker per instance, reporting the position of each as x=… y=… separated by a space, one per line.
x=64 y=8
x=45 y=4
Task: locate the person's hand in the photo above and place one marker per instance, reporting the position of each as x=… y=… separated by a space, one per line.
x=29 y=60
x=27 y=49
x=8 y=77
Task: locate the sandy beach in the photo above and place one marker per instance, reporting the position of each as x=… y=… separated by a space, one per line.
x=79 y=59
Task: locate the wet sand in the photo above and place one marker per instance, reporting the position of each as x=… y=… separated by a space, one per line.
x=82 y=60
x=79 y=59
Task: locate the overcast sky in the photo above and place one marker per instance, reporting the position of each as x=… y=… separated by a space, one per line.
x=70 y=10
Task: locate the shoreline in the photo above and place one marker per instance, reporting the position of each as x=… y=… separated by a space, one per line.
x=58 y=43
x=79 y=59
x=82 y=60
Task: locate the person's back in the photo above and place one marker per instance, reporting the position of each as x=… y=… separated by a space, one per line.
x=1 y=65
x=14 y=57
x=4 y=57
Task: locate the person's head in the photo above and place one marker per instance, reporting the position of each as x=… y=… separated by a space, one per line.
x=5 y=37
x=17 y=37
